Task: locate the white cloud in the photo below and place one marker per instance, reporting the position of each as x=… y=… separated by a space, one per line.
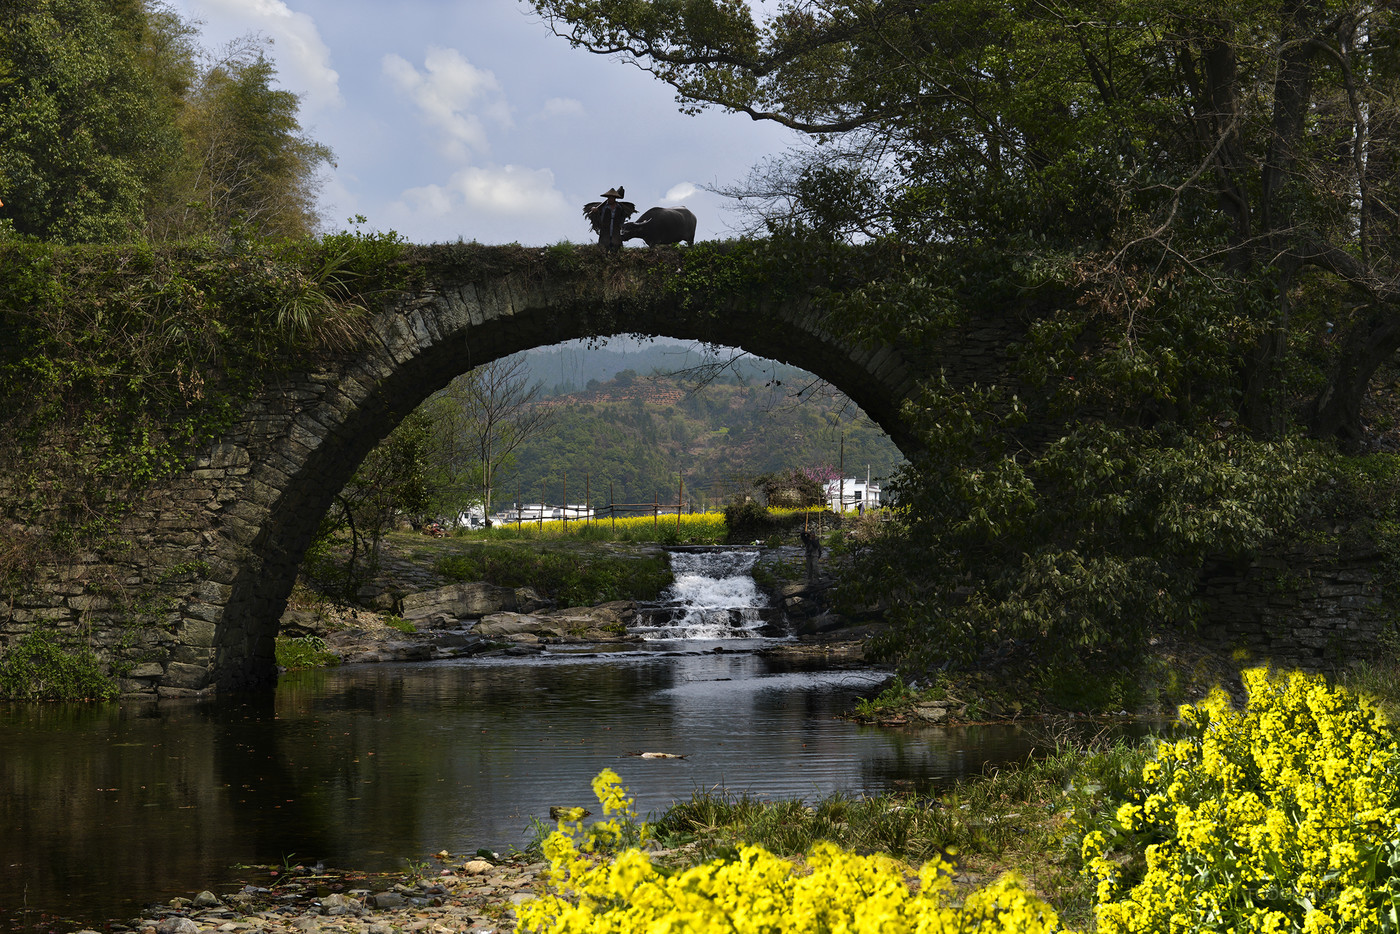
x=679 y=193
x=452 y=95
x=482 y=203
x=562 y=107
x=303 y=60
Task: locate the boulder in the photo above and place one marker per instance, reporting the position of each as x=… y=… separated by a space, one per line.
x=468 y=601
x=504 y=626
x=606 y=622
x=176 y=926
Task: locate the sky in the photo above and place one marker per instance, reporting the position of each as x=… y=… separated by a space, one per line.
x=470 y=119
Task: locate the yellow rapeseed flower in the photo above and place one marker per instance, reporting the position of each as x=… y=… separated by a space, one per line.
x=759 y=893
x=1273 y=818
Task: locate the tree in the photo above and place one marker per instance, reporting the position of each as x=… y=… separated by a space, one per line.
x=391 y=482
x=1128 y=142
x=455 y=476
x=1183 y=196
x=249 y=163
x=88 y=93
x=114 y=125
x=500 y=411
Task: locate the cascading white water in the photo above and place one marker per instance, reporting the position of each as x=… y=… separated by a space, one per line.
x=714 y=597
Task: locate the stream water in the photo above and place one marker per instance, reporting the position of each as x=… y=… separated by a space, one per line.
x=105 y=808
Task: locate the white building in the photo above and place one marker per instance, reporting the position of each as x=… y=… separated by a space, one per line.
x=473 y=518
x=852 y=493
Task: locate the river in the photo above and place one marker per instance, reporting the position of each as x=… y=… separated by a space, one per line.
x=104 y=808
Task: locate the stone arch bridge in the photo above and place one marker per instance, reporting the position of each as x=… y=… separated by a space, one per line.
x=213 y=552
x=219 y=544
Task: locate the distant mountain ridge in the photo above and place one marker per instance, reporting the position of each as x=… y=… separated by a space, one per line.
x=570 y=367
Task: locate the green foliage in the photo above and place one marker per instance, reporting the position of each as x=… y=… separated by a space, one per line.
x=117 y=362
x=298 y=653
x=85 y=127
x=1077 y=548
x=391 y=482
x=41 y=666
x=564 y=575
x=895 y=696
x=1194 y=302
x=111 y=130
x=405 y=626
x=250 y=167
x=751 y=522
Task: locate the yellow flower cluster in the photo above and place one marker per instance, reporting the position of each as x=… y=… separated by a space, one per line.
x=758 y=892
x=1283 y=817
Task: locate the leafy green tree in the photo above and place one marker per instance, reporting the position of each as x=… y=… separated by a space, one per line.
x=112 y=127
x=249 y=164
x=1187 y=199
x=391 y=484
x=88 y=92
x=454 y=477
x=1250 y=146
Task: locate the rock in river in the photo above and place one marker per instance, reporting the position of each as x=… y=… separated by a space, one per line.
x=606 y=622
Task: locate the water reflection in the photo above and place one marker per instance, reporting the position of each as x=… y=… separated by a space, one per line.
x=103 y=808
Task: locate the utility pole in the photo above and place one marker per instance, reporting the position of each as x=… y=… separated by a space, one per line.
x=841 y=480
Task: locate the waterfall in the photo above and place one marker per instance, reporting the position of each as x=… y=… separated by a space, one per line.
x=714 y=597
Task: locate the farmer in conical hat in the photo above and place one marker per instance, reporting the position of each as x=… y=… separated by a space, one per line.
x=607 y=217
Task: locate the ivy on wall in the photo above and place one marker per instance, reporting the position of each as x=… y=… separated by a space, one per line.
x=116 y=362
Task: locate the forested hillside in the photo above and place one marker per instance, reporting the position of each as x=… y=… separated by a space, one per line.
x=641 y=434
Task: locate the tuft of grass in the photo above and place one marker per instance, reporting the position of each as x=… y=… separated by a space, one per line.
x=300 y=653
x=1377 y=678
x=401 y=624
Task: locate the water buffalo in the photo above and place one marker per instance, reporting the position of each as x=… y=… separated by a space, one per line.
x=662 y=225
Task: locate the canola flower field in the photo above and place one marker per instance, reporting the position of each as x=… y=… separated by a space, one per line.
x=705 y=528
x=1283 y=816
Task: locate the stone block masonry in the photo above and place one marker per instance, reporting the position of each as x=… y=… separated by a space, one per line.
x=1313 y=607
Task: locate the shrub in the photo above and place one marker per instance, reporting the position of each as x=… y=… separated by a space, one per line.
x=605 y=886
x=749 y=521
x=562 y=575
x=298 y=653
x=38 y=667
x=1279 y=817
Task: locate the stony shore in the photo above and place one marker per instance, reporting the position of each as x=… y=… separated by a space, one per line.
x=465 y=895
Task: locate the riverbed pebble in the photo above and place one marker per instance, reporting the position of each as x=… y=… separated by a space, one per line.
x=482 y=899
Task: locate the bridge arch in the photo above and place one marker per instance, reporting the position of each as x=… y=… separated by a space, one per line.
x=303 y=437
